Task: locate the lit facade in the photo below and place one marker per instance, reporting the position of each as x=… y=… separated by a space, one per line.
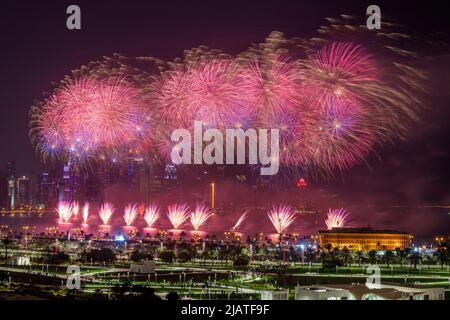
x=23 y=191
x=365 y=239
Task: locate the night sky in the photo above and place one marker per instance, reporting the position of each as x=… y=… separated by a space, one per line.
x=37 y=50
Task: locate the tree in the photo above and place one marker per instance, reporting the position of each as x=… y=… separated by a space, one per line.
x=388 y=256
x=442 y=255
x=58 y=258
x=241 y=261
x=147 y=293
x=346 y=255
x=101 y=255
x=172 y=296
x=401 y=254
x=184 y=256
x=6 y=243
x=138 y=255
x=415 y=259
x=372 y=257
x=167 y=256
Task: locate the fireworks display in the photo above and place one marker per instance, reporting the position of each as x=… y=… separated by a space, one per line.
x=333 y=98
x=131 y=212
x=87 y=118
x=239 y=221
x=336 y=218
x=178 y=214
x=200 y=215
x=106 y=211
x=85 y=212
x=151 y=214
x=75 y=208
x=65 y=211
x=281 y=217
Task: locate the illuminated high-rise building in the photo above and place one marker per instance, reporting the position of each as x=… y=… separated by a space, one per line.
x=46 y=190
x=3 y=190
x=11 y=181
x=24 y=192
x=69 y=185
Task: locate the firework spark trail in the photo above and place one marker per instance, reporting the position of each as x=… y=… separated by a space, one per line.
x=131 y=212
x=151 y=214
x=336 y=218
x=200 y=215
x=85 y=212
x=106 y=211
x=75 y=208
x=239 y=221
x=178 y=214
x=281 y=217
x=65 y=211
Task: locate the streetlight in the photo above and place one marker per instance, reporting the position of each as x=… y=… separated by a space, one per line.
x=213 y=191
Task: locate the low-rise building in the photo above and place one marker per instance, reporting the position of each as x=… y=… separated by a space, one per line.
x=147 y=266
x=363 y=292
x=278 y=294
x=365 y=239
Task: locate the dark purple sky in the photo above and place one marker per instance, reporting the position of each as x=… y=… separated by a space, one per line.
x=38 y=49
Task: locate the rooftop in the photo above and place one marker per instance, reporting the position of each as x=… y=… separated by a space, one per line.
x=360 y=230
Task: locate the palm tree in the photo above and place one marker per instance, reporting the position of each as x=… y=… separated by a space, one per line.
x=401 y=254
x=388 y=256
x=346 y=254
x=372 y=256
x=442 y=255
x=6 y=243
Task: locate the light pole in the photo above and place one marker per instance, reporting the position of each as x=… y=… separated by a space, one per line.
x=213 y=191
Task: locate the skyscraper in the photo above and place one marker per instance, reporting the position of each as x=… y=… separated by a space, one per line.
x=23 y=191
x=46 y=190
x=11 y=181
x=3 y=190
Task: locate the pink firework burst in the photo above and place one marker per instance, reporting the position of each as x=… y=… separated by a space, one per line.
x=178 y=214
x=340 y=70
x=281 y=217
x=336 y=218
x=218 y=98
x=200 y=215
x=151 y=214
x=87 y=115
x=171 y=95
x=343 y=136
x=272 y=86
x=106 y=211
x=131 y=212
x=64 y=210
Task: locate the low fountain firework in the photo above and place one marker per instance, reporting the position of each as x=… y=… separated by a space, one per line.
x=65 y=211
x=106 y=211
x=85 y=212
x=239 y=221
x=131 y=212
x=152 y=214
x=75 y=208
x=281 y=217
x=336 y=218
x=200 y=215
x=178 y=214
